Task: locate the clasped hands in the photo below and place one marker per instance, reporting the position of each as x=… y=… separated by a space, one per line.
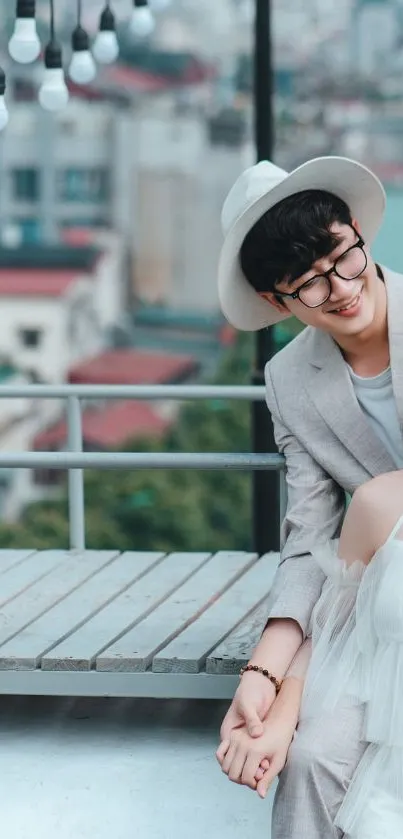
x=255 y=736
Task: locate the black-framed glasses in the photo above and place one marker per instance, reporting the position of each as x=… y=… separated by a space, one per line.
x=348 y=266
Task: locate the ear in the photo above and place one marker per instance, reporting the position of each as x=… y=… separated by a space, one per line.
x=274 y=301
x=356 y=225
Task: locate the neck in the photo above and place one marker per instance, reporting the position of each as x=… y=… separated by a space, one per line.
x=368 y=352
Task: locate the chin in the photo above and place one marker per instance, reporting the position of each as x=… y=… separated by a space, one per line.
x=357 y=328
x=356 y=325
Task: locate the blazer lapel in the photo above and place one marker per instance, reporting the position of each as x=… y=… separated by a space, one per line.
x=331 y=389
x=394 y=289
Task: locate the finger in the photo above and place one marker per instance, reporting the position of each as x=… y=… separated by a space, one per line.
x=222 y=751
x=264 y=766
x=267 y=780
x=251 y=766
x=231 y=720
x=237 y=765
x=253 y=724
x=229 y=757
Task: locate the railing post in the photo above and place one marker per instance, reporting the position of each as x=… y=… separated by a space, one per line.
x=265 y=496
x=75 y=476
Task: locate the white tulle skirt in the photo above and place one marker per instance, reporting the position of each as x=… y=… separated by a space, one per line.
x=357 y=643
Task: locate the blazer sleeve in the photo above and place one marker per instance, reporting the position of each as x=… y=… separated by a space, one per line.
x=314 y=513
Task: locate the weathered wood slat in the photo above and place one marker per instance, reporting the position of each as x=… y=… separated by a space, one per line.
x=24 y=651
x=21 y=576
x=9 y=558
x=188 y=652
x=69 y=573
x=79 y=651
x=235 y=651
x=135 y=650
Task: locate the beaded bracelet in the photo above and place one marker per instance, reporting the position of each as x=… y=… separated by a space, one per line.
x=256 y=669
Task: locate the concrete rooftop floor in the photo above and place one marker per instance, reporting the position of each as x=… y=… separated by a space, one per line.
x=119 y=769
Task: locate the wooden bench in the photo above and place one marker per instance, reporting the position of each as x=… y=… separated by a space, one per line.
x=104 y=623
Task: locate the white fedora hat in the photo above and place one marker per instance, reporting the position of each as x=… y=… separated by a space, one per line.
x=261 y=187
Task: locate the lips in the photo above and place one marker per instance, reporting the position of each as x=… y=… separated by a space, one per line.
x=346 y=306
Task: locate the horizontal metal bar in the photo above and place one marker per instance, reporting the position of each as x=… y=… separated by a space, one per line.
x=175 y=392
x=149 y=685
x=139 y=460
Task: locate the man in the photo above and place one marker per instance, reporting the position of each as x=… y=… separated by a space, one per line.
x=298 y=244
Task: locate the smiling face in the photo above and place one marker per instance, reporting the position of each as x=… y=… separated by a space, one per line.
x=353 y=305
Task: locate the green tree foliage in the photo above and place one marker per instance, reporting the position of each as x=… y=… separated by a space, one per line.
x=163 y=510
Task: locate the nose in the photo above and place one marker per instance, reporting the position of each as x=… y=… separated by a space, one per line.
x=337 y=286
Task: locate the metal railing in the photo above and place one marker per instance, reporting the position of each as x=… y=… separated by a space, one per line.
x=75 y=460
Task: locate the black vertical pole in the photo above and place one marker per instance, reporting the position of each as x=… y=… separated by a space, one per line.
x=266 y=495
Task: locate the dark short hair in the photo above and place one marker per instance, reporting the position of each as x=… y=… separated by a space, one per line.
x=290 y=237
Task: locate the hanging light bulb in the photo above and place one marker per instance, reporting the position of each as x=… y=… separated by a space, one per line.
x=106 y=46
x=3 y=106
x=53 y=93
x=24 y=45
x=159 y=5
x=82 y=67
x=141 y=22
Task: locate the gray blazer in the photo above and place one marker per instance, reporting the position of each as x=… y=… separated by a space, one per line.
x=329 y=447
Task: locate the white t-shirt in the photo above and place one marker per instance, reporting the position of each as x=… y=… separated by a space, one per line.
x=377 y=401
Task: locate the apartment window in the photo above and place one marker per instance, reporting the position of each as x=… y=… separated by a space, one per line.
x=30 y=338
x=30 y=229
x=25 y=184
x=85 y=185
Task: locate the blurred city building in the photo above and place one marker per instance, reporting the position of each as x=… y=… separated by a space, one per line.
x=133 y=169
x=375 y=34
x=59 y=304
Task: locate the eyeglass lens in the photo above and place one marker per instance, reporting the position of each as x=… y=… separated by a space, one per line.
x=349 y=266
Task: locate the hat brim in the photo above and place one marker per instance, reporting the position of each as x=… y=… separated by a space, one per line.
x=361 y=190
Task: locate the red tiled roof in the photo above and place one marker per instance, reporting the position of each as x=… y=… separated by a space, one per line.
x=227 y=335
x=137 y=80
x=35 y=282
x=129 y=367
x=107 y=427
x=117 y=79
x=78 y=236
x=390 y=173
